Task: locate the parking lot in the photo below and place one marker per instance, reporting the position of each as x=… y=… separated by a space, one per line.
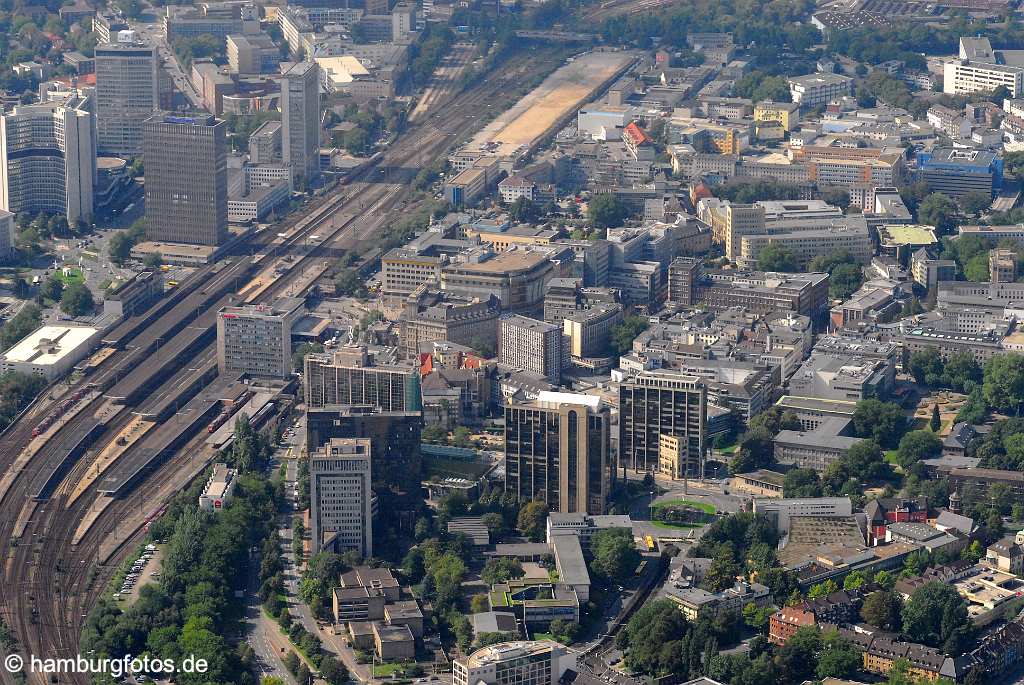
x=145 y=569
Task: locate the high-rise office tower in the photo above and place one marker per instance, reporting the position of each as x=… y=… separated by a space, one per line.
x=340 y=497
x=349 y=377
x=127 y=93
x=556 y=450
x=394 y=436
x=300 y=119
x=49 y=158
x=256 y=339
x=532 y=345
x=186 y=179
x=656 y=403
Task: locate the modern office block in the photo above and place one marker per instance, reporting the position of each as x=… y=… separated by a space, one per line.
x=300 y=119
x=349 y=377
x=186 y=179
x=394 y=436
x=557 y=451
x=49 y=159
x=531 y=345
x=657 y=403
x=257 y=339
x=127 y=93
x=340 y=496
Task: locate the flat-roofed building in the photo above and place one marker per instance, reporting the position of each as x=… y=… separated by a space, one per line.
x=257 y=339
x=532 y=345
x=514 y=663
x=814 y=90
x=557 y=451
x=186 y=174
x=50 y=351
x=517 y=277
x=341 y=501
x=127 y=93
x=48 y=159
x=780 y=511
x=347 y=377
x=219 y=488
x=656 y=403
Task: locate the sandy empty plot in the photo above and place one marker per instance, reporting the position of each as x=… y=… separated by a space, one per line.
x=560 y=93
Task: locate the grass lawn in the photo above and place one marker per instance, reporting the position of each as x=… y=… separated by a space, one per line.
x=386 y=670
x=703 y=506
x=731 y=449
x=544 y=636
x=74 y=276
x=890 y=456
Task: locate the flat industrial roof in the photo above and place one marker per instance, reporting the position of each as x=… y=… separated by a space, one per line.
x=47 y=345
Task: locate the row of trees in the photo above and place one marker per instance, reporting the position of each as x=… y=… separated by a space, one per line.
x=189 y=612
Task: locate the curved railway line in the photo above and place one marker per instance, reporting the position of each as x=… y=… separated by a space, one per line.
x=49 y=584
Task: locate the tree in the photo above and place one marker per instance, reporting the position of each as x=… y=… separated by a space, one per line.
x=501 y=570
x=723 y=570
x=774 y=257
x=51 y=289
x=479 y=604
x=836 y=195
x=823 y=589
x=649 y=634
x=975 y=201
x=77 y=300
x=1003 y=387
x=625 y=333
x=120 y=248
x=976 y=269
x=854 y=580
x=333 y=671
x=939 y=211
x=348 y=283
x=918 y=445
x=797 y=658
x=801 y=483
x=936 y=421
x=605 y=210
x=615 y=554
x=844 y=281
x=153 y=260
x=838 y=658
x=926 y=366
x=934 y=614
x=754 y=450
x=461 y=437
x=523 y=210
x=564 y=631
x=532 y=520
x=882 y=421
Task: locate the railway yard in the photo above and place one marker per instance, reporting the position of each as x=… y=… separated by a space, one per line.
x=75 y=500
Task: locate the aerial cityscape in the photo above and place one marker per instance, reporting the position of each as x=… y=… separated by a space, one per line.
x=511 y=342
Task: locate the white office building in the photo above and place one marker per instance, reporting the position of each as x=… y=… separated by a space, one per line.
x=49 y=159
x=341 y=501
x=532 y=345
x=300 y=120
x=779 y=511
x=127 y=93
x=540 y=662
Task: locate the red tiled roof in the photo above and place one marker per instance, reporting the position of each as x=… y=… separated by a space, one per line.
x=635 y=134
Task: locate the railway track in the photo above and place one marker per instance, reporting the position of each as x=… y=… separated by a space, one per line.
x=48 y=584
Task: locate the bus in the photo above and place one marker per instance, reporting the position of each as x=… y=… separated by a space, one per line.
x=650 y=543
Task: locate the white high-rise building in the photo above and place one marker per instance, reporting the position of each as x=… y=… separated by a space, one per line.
x=300 y=119
x=532 y=345
x=8 y=234
x=341 y=501
x=49 y=158
x=127 y=93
